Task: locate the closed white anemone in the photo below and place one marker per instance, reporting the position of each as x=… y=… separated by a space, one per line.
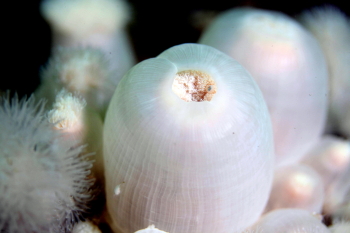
x=188 y=145
x=290 y=221
x=338 y=196
x=289 y=67
x=296 y=186
x=85 y=227
x=331 y=27
x=94 y=23
x=150 y=229
x=330 y=157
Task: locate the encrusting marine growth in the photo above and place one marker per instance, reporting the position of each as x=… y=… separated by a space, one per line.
x=193 y=85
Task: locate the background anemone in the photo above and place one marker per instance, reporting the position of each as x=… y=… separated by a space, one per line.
x=44 y=183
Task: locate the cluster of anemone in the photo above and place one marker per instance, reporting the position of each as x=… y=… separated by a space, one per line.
x=233 y=134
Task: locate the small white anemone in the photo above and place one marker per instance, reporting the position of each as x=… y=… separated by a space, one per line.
x=67 y=111
x=85 y=71
x=296 y=186
x=44 y=185
x=150 y=229
x=330 y=157
x=290 y=221
x=79 y=125
x=86 y=227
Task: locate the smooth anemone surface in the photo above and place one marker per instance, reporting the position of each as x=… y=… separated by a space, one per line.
x=183 y=166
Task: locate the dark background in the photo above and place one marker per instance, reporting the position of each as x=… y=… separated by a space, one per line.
x=27 y=37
